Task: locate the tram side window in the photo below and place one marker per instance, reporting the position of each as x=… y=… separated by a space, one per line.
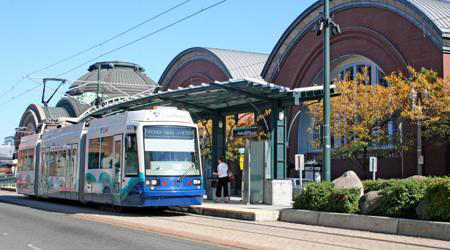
x=94 y=153
x=20 y=161
x=26 y=159
x=131 y=156
x=106 y=155
x=53 y=157
x=62 y=161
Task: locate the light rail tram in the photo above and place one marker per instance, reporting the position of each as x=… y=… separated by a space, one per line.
x=144 y=158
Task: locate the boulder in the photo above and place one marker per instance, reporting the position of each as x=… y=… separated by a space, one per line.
x=349 y=180
x=370 y=201
x=417 y=177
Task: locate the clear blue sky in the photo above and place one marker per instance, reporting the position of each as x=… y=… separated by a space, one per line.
x=38 y=33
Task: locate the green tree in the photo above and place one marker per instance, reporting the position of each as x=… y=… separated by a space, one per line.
x=361 y=113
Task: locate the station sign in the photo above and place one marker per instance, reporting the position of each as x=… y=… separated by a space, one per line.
x=249 y=132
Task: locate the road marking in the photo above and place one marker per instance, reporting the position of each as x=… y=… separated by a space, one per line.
x=33 y=247
x=4 y=234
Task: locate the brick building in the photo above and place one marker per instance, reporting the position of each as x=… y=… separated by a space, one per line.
x=383 y=35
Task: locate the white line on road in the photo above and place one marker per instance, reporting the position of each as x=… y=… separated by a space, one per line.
x=33 y=247
x=4 y=234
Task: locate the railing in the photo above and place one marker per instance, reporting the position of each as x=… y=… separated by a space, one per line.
x=7 y=182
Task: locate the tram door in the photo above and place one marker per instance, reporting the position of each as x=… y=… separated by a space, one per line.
x=43 y=173
x=117 y=163
x=70 y=172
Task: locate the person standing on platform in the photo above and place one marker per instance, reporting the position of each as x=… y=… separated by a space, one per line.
x=222 y=173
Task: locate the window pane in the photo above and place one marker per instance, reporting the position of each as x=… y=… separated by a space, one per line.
x=118 y=154
x=348 y=75
x=53 y=164
x=106 y=155
x=94 y=153
x=61 y=163
x=131 y=155
x=365 y=71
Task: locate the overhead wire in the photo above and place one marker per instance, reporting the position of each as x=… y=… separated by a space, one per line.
x=123 y=46
x=143 y=37
x=94 y=46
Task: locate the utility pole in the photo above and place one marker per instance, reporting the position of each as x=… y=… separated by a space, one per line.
x=326 y=91
x=97 y=99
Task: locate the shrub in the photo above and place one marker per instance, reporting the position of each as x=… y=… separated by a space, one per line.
x=314 y=197
x=344 y=201
x=377 y=185
x=401 y=198
x=324 y=197
x=437 y=200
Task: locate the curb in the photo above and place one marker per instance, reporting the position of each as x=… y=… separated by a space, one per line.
x=231 y=214
x=378 y=224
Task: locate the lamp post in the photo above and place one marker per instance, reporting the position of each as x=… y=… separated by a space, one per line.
x=326 y=92
x=415 y=99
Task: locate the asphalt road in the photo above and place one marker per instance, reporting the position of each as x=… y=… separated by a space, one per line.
x=22 y=227
x=27 y=223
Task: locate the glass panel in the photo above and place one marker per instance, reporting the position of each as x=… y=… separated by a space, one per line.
x=131 y=156
x=171 y=151
x=94 y=153
x=61 y=166
x=106 y=154
x=53 y=164
x=348 y=74
x=365 y=72
x=118 y=154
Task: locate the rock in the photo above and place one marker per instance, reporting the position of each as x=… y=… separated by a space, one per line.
x=370 y=202
x=349 y=180
x=417 y=177
x=420 y=210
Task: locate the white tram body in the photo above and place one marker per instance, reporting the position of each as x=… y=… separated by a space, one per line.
x=134 y=158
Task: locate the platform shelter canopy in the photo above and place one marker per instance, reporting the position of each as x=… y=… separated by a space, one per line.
x=216 y=98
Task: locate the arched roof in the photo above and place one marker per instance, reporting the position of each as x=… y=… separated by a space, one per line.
x=72 y=106
x=431 y=16
x=124 y=78
x=234 y=64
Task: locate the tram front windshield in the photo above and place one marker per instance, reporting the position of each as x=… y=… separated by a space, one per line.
x=171 y=151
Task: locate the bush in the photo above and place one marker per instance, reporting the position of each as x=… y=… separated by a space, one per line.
x=314 y=197
x=437 y=200
x=401 y=198
x=377 y=185
x=324 y=197
x=344 y=201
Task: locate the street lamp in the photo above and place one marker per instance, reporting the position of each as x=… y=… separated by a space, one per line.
x=415 y=98
x=329 y=27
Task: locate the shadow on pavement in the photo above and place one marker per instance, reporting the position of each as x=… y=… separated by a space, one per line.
x=76 y=207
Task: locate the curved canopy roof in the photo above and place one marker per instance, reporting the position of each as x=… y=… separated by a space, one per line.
x=117 y=79
x=235 y=64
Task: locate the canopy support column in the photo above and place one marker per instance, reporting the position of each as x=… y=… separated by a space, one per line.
x=278 y=143
x=218 y=138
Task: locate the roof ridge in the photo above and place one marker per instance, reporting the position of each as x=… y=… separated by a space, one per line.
x=237 y=51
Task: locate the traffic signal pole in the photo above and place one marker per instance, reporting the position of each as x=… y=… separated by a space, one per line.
x=326 y=88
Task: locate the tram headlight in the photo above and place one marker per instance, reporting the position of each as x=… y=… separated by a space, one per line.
x=153 y=182
x=196 y=181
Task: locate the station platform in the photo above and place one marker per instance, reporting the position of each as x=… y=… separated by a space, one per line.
x=235 y=209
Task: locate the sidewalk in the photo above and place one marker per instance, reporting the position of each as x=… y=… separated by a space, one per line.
x=235 y=209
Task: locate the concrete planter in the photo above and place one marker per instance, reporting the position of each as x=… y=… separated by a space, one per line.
x=417 y=228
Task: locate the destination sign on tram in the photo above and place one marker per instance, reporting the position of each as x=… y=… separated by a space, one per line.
x=169 y=132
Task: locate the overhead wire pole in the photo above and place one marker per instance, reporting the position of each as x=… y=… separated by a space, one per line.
x=326 y=92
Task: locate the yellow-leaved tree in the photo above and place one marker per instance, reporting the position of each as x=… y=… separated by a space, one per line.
x=366 y=117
